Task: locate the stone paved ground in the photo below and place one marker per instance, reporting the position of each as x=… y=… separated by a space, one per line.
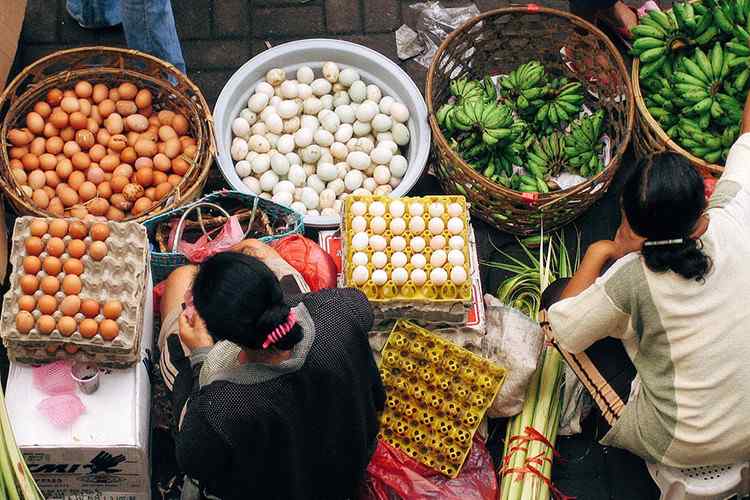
x=219 y=35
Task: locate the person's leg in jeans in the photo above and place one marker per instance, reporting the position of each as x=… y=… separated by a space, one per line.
x=604 y=369
x=149 y=27
x=92 y=14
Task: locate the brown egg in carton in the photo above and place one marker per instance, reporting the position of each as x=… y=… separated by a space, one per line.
x=19 y=353
x=119 y=276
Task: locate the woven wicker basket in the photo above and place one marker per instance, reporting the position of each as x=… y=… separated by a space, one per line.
x=650 y=138
x=495 y=43
x=109 y=65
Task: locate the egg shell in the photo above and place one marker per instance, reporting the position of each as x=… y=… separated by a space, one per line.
x=455 y=225
x=417 y=243
x=455 y=209
x=437 y=242
x=399 y=276
x=436 y=225
x=416 y=209
x=418 y=277
x=398 y=259
x=438 y=258
x=397 y=226
x=438 y=276
x=360 y=241
x=456 y=243
x=418 y=260
x=360 y=259
x=376 y=208
x=398 y=244
x=358 y=208
x=436 y=209
x=359 y=224
x=377 y=243
x=458 y=275
x=379 y=277
x=396 y=208
x=377 y=224
x=360 y=275
x=456 y=258
x=416 y=225
x=379 y=259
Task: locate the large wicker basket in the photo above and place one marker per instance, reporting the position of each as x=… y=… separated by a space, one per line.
x=650 y=138
x=107 y=65
x=495 y=43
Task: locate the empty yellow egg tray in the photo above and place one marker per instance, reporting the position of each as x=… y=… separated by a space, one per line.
x=408 y=291
x=437 y=394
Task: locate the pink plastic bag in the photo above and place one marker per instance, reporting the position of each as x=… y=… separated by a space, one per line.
x=392 y=475
x=54 y=378
x=222 y=240
x=61 y=410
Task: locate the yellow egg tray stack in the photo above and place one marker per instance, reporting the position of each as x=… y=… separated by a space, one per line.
x=410 y=292
x=437 y=395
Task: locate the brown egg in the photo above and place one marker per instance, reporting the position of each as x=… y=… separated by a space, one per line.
x=174 y=180
x=19 y=137
x=166 y=132
x=58 y=228
x=145 y=147
x=85 y=139
x=69 y=93
x=49 y=285
x=71 y=284
x=99 y=231
x=50 y=130
x=48 y=161
x=81 y=161
x=70 y=348
x=115 y=214
x=127 y=90
x=52 y=348
x=118 y=201
x=87 y=191
x=180 y=124
x=180 y=166
x=56 y=207
x=54 y=96
x=64 y=168
x=55 y=247
x=106 y=108
x=108 y=329
x=98 y=207
x=112 y=309
x=49 y=191
x=40 y=199
x=77 y=230
x=47 y=304
x=103 y=137
x=70 y=105
x=52 y=179
x=144 y=177
x=76 y=249
x=88 y=328
x=24 y=322
x=38 y=146
x=97 y=153
x=70 y=305
x=143 y=98
x=166 y=117
x=135 y=122
x=75 y=179
x=89 y=308
x=118 y=183
x=43 y=109
x=128 y=155
x=84 y=89
x=26 y=303
x=100 y=92
x=162 y=190
x=29 y=284
x=162 y=163
x=19 y=174
x=150 y=193
x=141 y=206
x=59 y=119
x=54 y=145
x=66 y=326
x=52 y=265
x=114 y=124
x=78 y=120
x=73 y=267
x=68 y=197
x=68 y=134
x=31 y=264
x=35 y=122
x=38 y=227
x=104 y=190
x=110 y=162
x=159 y=177
x=85 y=107
x=172 y=148
x=17 y=152
x=98 y=250
x=30 y=161
x=33 y=245
x=45 y=324
x=126 y=108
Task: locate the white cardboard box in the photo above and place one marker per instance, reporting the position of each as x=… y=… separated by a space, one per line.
x=71 y=463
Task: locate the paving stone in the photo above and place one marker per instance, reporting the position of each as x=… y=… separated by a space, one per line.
x=382 y=15
x=384 y=43
x=287 y=3
x=40 y=25
x=193 y=18
x=343 y=16
x=210 y=82
x=216 y=54
x=72 y=32
x=30 y=53
x=300 y=21
x=231 y=18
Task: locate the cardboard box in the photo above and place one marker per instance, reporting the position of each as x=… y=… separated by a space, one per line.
x=105 y=453
x=11 y=20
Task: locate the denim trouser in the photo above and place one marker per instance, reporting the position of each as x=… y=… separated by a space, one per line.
x=148 y=24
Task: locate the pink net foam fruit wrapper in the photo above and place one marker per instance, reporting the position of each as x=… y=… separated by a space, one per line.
x=54 y=378
x=61 y=410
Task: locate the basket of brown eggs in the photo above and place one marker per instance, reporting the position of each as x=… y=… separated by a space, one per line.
x=103 y=131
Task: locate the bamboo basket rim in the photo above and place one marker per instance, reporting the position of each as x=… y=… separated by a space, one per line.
x=181 y=193
x=544 y=199
x=655 y=127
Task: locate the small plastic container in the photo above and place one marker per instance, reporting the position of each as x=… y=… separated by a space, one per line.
x=86 y=375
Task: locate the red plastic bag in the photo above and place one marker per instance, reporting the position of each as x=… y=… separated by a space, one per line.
x=709 y=184
x=393 y=475
x=312 y=262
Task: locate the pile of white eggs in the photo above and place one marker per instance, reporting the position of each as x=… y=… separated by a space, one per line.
x=309 y=142
x=407 y=240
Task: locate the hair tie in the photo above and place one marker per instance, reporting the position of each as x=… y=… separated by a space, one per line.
x=280 y=331
x=662 y=243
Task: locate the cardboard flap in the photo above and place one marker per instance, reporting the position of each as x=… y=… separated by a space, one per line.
x=11 y=21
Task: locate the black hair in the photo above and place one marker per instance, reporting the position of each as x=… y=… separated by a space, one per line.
x=663 y=200
x=240 y=300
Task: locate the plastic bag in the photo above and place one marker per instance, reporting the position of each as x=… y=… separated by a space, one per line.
x=515 y=342
x=204 y=247
x=312 y=262
x=393 y=475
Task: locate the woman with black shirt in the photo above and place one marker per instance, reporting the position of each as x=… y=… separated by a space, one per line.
x=286 y=403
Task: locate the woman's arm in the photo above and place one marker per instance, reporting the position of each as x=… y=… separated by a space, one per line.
x=592 y=266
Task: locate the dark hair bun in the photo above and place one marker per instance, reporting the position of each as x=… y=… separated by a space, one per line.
x=274 y=316
x=685 y=259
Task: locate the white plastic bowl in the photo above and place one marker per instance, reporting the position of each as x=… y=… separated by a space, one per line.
x=373 y=68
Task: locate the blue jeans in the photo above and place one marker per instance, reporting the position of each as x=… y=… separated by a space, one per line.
x=148 y=24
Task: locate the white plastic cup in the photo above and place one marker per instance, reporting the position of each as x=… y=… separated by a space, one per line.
x=86 y=376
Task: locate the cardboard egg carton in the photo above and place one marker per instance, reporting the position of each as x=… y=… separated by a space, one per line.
x=20 y=353
x=437 y=395
x=120 y=275
x=409 y=293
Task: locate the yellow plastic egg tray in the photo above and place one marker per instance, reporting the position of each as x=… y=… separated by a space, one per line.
x=437 y=395
x=448 y=292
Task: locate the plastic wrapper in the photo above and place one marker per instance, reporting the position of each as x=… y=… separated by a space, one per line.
x=312 y=262
x=434 y=23
x=54 y=378
x=393 y=475
x=515 y=342
x=211 y=243
x=62 y=410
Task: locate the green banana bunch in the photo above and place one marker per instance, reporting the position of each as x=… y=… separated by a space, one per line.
x=492 y=121
x=658 y=34
x=547 y=156
x=465 y=90
x=583 y=144
x=525 y=87
x=564 y=104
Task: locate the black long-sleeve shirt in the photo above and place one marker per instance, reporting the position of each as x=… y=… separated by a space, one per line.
x=301 y=432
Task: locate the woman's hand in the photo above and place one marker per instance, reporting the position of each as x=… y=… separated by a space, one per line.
x=626 y=240
x=193 y=332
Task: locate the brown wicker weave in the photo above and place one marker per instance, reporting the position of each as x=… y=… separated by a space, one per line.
x=497 y=42
x=109 y=65
x=650 y=138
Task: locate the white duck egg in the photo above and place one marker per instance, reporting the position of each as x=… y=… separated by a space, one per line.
x=456 y=243
x=379 y=259
x=252 y=184
x=337 y=186
x=289 y=90
x=285 y=144
x=272 y=140
x=376 y=208
x=239 y=149
x=327 y=102
x=261 y=163
x=398 y=244
x=313 y=213
x=381 y=156
x=240 y=127
x=344 y=133
x=358 y=91
x=314 y=182
x=438 y=276
x=373 y=93
x=436 y=209
x=383 y=190
x=331 y=123
x=323 y=137
x=274 y=123
x=359 y=224
x=275 y=76
x=396 y=208
x=353 y=180
x=310 y=198
x=379 y=277
x=438 y=258
x=381 y=123
x=399 y=276
x=304 y=91
x=345 y=113
x=326 y=199
x=400 y=134
x=377 y=243
x=248 y=116
x=283 y=198
x=305 y=74
x=365 y=145
x=361 y=128
x=327 y=171
x=311 y=154
x=279 y=164
x=360 y=275
x=359 y=259
x=358 y=208
x=416 y=225
x=360 y=241
x=340 y=98
x=264 y=88
x=458 y=275
x=418 y=277
x=436 y=225
x=275 y=100
x=385 y=104
x=347 y=76
x=382 y=175
x=259 y=129
x=385 y=137
x=358 y=160
x=259 y=144
x=456 y=258
x=299 y=207
x=321 y=87
x=377 y=224
x=268 y=180
x=294 y=158
x=437 y=242
x=258 y=102
x=312 y=106
x=367 y=111
x=243 y=168
x=417 y=243
x=297 y=175
x=455 y=225
x=331 y=71
x=455 y=209
x=339 y=151
x=287 y=109
x=416 y=209
x=370 y=184
x=398 y=225
x=283 y=186
x=399 y=112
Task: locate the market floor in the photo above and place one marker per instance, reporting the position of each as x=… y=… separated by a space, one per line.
x=220 y=35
